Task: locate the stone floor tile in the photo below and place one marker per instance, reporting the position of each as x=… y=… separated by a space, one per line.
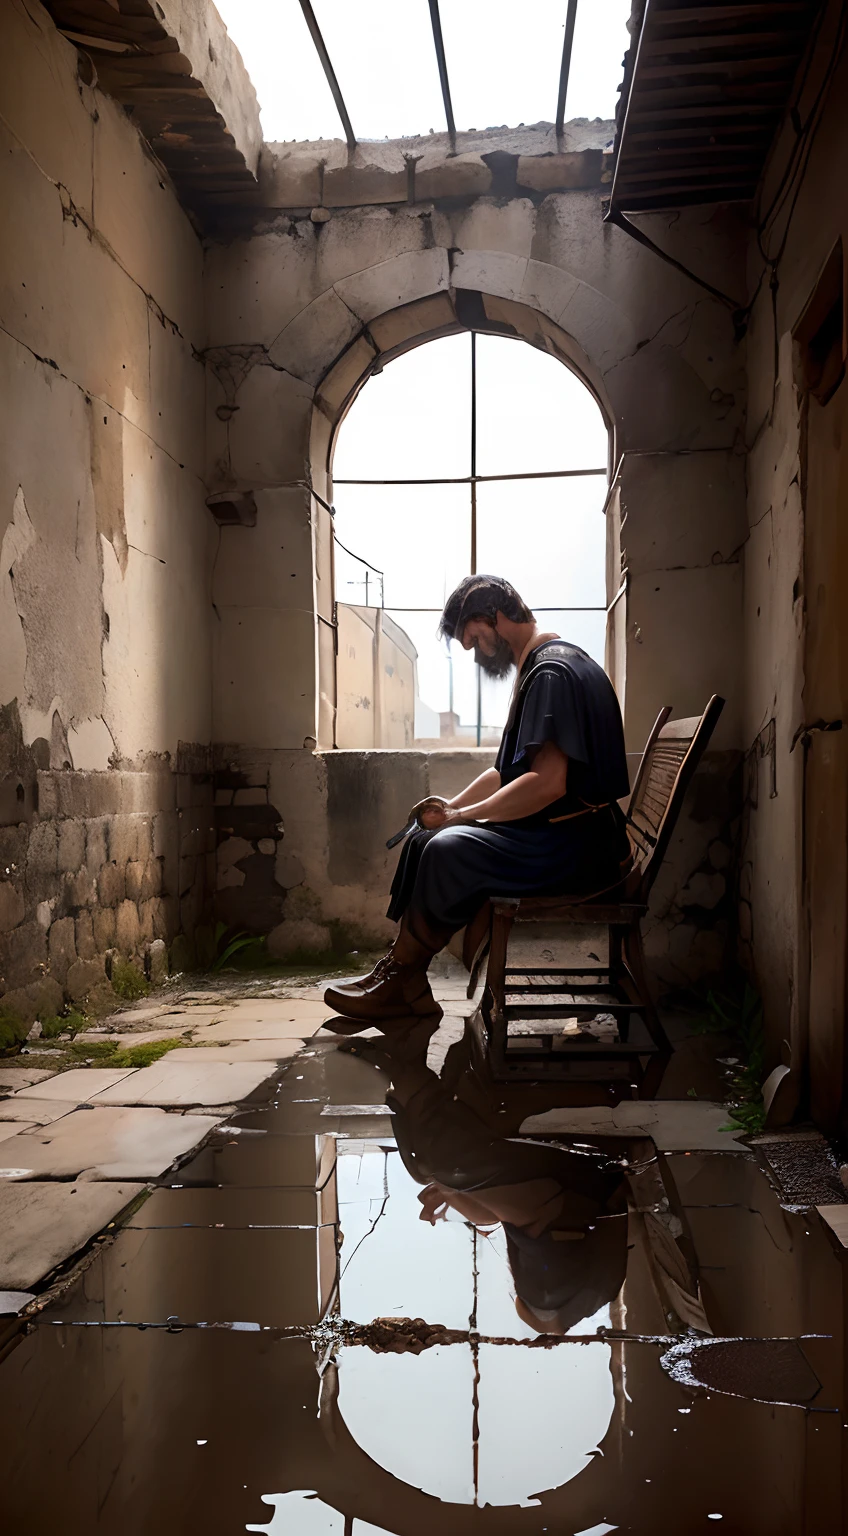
x=34 y=1111
x=10 y=1128
x=241 y=1050
x=41 y=1225
x=223 y=1034
x=196 y=1081
x=295 y=994
x=78 y=1085
x=12 y=1078
x=836 y=1217
x=675 y=1125
x=112 y=1143
x=262 y=1009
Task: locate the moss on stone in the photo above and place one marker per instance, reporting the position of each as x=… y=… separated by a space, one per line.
x=69 y=1023
x=13 y=1029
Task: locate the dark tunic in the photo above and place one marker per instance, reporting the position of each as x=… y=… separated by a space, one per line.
x=563 y=696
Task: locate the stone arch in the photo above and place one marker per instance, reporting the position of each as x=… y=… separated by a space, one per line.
x=321 y=313
x=388 y=335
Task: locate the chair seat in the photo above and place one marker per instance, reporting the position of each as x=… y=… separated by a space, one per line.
x=571 y=909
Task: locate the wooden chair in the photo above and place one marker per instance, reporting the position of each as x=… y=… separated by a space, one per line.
x=620 y=988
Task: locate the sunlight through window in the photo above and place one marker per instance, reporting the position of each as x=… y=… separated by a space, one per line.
x=412 y=520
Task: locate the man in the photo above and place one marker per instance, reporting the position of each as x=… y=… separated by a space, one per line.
x=544 y=820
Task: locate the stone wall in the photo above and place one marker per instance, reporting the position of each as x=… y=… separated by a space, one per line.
x=106 y=545
x=305 y=304
x=302 y=838
x=142 y=373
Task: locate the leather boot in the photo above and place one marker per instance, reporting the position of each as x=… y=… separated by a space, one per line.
x=391 y=991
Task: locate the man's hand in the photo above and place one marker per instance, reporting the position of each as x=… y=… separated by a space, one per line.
x=435 y=813
x=434 y=1206
x=430 y=813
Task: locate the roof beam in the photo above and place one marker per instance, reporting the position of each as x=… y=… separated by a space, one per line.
x=565 y=66
x=439 y=44
x=695 y=15
x=321 y=50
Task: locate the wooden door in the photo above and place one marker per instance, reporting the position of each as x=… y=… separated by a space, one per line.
x=825 y=745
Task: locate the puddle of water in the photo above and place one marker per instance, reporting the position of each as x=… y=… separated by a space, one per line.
x=532 y=1391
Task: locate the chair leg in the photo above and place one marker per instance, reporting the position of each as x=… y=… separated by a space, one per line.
x=616 y=976
x=494 y=1000
x=615 y=956
x=634 y=959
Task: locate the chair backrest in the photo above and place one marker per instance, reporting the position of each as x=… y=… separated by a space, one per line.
x=673 y=752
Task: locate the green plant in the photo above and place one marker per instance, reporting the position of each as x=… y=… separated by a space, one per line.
x=94 y=1050
x=128 y=982
x=69 y=1023
x=249 y=947
x=739 y=1016
x=13 y=1030
x=143 y=1054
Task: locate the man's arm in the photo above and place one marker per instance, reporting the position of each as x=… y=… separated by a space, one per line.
x=482 y=787
x=532 y=791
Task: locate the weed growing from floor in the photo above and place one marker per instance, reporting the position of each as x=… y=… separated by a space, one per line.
x=739 y=1016
x=109 y=1054
x=93 y=1050
x=249 y=949
x=13 y=1030
x=69 y=1023
x=144 y=1054
x=128 y=982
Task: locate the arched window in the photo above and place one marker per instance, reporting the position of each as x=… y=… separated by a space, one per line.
x=469 y=453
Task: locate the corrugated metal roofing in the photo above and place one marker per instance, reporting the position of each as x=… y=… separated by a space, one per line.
x=706 y=86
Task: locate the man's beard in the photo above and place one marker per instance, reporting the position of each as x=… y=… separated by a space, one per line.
x=501 y=663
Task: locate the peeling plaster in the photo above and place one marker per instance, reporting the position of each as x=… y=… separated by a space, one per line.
x=91 y=743
x=18 y=538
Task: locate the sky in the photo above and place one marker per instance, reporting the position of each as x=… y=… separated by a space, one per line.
x=546 y=536
x=382 y=51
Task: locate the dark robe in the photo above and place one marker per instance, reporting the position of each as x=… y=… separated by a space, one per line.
x=563 y=696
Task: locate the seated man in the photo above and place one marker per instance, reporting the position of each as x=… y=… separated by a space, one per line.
x=543 y=821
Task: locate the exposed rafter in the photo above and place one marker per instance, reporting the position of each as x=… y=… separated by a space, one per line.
x=438 y=40
x=565 y=66
x=326 y=65
x=708 y=88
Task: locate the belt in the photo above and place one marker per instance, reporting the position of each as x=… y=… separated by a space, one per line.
x=588 y=810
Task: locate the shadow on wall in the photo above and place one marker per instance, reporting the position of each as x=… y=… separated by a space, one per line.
x=302 y=855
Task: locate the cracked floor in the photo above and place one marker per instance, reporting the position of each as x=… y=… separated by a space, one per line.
x=368 y=1291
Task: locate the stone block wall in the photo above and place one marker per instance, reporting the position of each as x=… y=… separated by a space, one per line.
x=302 y=851
x=103 y=864
x=302 y=837
x=106 y=544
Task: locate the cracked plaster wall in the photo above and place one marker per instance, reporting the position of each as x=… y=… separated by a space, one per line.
x=105 y=670
x=300 y=309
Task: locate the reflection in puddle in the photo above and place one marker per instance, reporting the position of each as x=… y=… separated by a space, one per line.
x=443 y=1329
x=300 y=1513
